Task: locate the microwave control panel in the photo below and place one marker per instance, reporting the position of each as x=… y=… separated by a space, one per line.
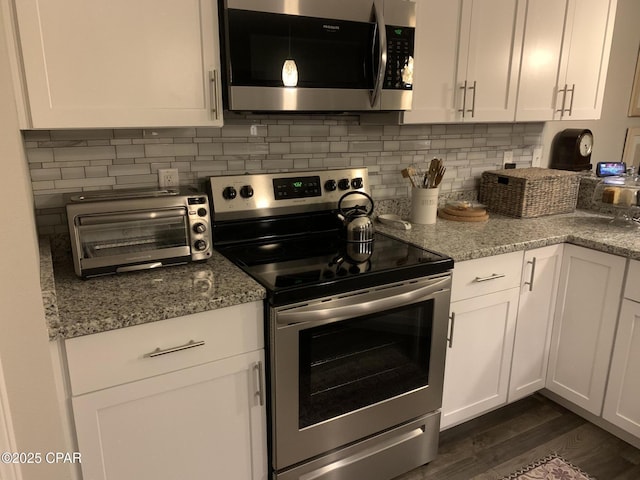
x=399 y=73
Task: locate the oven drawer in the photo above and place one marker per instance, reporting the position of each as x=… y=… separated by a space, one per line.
x=128 y=354
x=481 y=276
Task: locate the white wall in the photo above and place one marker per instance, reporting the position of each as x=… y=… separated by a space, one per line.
x=28 y=390
x=610 y=131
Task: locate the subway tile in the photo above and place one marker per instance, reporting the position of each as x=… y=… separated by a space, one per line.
x=129 y=151
x=72 y=154
x=43 y=174
x=39 y=155
x=245 y=148
x=278 y=130
x=36 y=135
x=338 y=147
x=134 y=169
x=244 y=131
x=281 y=164
x=44 y=185
x=365 y=146
x=309 y=130
x=279 y=148
x=168 y=132
x=415 y=144
x=170 y=150
x=210 y=132
x=88 y=134
x=210 y=149
x=69 y=173
x=96 y=171
x=84 y=182
x=127 y=133
x=137 y=179
x=310 y=147
x=459 y=143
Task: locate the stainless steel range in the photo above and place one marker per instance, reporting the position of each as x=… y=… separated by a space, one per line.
x=356 y=332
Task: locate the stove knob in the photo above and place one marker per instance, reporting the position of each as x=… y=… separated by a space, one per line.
x=357 y=183
x=344 y=184
x=199 y=228
x=229 y=193
x=202 y=212
x=200 y=245
x=246 y=191
x=330 y=185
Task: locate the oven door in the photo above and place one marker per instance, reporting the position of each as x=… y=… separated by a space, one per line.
x=114 y=242
x=349 y=367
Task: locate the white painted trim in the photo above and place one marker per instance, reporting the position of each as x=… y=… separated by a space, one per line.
x=7 y=440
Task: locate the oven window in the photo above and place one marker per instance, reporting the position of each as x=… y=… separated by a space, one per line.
x=328 y=53
x=354 y=363
x=127 y=237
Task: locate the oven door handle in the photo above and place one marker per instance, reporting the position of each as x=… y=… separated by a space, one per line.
x=388 y=298
x=382 y=56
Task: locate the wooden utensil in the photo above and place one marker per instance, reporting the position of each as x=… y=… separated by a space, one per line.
x=407 y=174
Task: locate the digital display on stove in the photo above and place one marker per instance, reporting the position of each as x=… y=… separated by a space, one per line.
x=296 y=187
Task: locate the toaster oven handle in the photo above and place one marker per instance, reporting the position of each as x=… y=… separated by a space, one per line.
x=382 y=58
x=102 y=219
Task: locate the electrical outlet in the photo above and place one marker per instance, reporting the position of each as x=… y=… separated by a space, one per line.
x=508 y=157
x=537 y=157
x=168 y=177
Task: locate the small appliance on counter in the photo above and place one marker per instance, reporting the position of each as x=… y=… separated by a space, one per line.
x=119 y=231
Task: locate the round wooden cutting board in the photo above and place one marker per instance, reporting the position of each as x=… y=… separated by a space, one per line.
x=471 y=214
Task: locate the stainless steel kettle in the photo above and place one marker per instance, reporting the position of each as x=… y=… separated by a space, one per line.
x=357 y=222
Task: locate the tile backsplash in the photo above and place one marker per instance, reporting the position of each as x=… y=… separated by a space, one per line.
x=69 y=161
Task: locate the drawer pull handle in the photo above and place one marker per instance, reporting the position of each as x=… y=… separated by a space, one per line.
x=533 y=274
x=190 y=344
x=493 y=276
x=452 y=317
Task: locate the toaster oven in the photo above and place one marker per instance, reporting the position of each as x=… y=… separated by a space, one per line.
x=122 y=231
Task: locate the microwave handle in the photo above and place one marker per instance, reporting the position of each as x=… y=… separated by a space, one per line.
x=382 y=59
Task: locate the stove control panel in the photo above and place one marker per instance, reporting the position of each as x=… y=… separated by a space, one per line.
x=258 y=195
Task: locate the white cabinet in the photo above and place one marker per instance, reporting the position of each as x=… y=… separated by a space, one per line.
x=483 y=314
x=565 y=59
x=584 y=326
x=467 y=60
x=622 y=401
x=179 y=398
x=538 y=291
x=120 y=63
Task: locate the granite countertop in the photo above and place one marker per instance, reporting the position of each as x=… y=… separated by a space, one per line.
x=76 y=307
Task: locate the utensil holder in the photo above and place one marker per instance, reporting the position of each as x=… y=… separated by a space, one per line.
x=424 y=205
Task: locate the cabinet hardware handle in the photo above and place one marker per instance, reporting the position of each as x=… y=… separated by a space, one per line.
x=464 y=99
x=573 y=91
x=190 y=344
x=213 y=91
x=564 y=98
x=533 y=274
x=473 y=100
x=493 y=276
x=452 y=317
x=257 y=369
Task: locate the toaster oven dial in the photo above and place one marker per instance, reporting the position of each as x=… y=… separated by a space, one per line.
x=229 y=193
x=199 y=228
x=200 y=245
x=246 y=191
x=202 y=212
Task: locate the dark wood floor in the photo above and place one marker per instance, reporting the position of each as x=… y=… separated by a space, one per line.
x=500 y=442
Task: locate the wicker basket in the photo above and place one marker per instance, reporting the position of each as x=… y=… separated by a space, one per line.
x=529 y=192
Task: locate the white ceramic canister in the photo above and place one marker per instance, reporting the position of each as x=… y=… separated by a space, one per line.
x=424 y=205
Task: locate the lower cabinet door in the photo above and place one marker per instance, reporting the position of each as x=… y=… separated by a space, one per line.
x=476 y=377
x=538 y=291
x=584 y=326
x=203 y=422
x=622 y=401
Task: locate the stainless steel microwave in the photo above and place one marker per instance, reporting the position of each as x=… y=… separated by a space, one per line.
x=318 y=55
x=121 y=231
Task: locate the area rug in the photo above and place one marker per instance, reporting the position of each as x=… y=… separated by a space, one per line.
x=551 y=467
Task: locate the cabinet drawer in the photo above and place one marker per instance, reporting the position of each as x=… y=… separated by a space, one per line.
x=632 y=285
x=124 y=355
x=486 y=275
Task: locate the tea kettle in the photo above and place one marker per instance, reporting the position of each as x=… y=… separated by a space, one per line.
x=357 y=221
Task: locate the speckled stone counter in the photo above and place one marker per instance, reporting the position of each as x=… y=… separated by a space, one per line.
x=466 y=240
x=76 y=307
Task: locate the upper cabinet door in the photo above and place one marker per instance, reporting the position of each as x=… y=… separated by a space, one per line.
x=493 y=43
x=436 y=58
x=91 y=63
x=467 y=56
x=541 y=50
x=585 y=59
